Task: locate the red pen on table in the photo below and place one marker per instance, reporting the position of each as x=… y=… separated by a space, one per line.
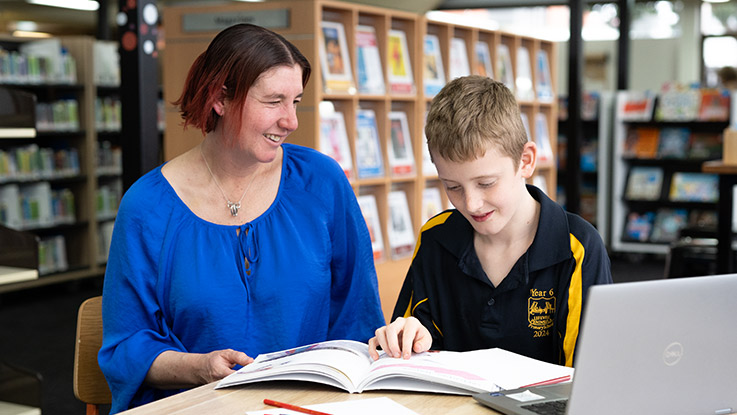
x=548 y=382
x=293 y=407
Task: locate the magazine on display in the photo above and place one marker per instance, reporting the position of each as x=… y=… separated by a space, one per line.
x=694 y=187
x=523 y=81
x=401 y=233
x=401 y=156
x=368 y=147
x=544 y=84
x=400 y=68
x=483 y=60
x=504 y=66
x=334 y=58
x=458 y=59
x=370 y=212
x=346 y=364
x=334 y=140
x=432 y=203
x=644 y=183
x=370 y=71
x=433 y=72
x=542 y=139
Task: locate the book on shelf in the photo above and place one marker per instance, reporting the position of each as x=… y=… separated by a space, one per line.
x=335 y=61
x=678 y=104
x=639 y=225
x=483 y=60
x=542 y=139
x=459 y=65
x=694 y=187
x=505 y=72
x=705 y=145
x=590 y=106
x=401 y=156
x=367 y=203
x=523 y=79
x=589 y=155
x=432 y=203
x=668 y=224
x=433 y=71
x=346 y=365
x=642 y=142
x=399 y=72
x=714 y=105
x=369 y=161
x=543 y=79
x=10 y=275
x=10 y=206
x=526 y=125
x=400 y=230
x=644 y=183
x=703 y=219
x=636 y=105
x=673 y=142
x=370 y=71
x=334 y=140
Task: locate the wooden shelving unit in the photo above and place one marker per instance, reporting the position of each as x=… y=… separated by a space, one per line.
x=81 y=236
x=183 y=45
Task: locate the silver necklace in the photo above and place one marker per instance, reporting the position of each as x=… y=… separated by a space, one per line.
x=232 y=206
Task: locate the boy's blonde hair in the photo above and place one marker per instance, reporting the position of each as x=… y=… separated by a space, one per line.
x=469 y=114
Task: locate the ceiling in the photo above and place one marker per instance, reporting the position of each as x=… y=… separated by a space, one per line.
x=60 y=21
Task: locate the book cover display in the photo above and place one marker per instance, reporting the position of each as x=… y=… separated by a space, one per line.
x=432 y=203
x=334 y=58
x=505 y=72
x=401 y=157
x=334 y=140
x=523 y=80
x=367 y=203
x=644 y=183
x=370 y=71
x=368 y=147
x=459 y=65
x=694 y=187
x=542 y=138
x=400 y=68
x=543 y=82
x=401 y=232
x=483 y=60
x=433 y=71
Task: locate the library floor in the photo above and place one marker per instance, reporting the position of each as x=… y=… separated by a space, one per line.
x=37 y=329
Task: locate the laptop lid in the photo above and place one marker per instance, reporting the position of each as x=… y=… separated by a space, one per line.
x=663 y=346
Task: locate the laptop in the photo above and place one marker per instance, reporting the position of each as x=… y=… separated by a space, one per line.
x=651 y=347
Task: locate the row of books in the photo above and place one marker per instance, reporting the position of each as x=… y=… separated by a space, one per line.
x=369 y=158
x=672 y=142
x=60 y=115
x=107 y=199
x=665 y=224
x=646 y=183
x=338 y=76
x=23 y=68
x=32 y=162
x=109 y=158
x=35 y=205
x=676 y=103
x=108 y=113
x=52 y=255
x=400 y=232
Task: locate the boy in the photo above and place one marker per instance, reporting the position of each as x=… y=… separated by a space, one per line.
x=508 y=267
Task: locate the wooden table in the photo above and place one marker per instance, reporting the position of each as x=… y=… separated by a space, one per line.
x=239 y=399
x=727 y=179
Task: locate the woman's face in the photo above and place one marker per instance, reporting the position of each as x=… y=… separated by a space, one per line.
x=270 y=111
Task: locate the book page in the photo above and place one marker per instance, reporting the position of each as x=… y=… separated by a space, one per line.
x=339 y=363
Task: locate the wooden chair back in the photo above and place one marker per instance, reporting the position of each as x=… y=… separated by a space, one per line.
x=90 y=385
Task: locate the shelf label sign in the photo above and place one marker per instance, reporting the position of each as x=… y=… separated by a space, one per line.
x=215 y=22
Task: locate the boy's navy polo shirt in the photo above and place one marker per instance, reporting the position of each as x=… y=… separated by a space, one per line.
x=535 y=311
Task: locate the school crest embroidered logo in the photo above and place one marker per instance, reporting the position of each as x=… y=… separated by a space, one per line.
x=540 y=310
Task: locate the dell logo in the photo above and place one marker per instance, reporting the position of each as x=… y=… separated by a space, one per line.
x=673 y=353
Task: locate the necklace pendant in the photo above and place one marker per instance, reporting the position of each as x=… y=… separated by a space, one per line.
x=234 y=208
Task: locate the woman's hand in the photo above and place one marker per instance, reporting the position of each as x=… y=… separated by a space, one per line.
x=401 y=338
x=175 y=370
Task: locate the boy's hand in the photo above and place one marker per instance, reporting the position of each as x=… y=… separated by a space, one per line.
x=401 y=338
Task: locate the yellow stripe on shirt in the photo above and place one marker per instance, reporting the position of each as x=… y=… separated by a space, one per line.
x=575 y=298
x=437 y=220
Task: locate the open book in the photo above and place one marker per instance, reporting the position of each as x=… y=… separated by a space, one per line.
x=346 y=364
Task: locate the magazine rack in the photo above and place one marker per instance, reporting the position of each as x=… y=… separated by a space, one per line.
x=189 y=30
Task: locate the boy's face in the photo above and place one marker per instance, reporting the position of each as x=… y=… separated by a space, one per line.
x=487 y=190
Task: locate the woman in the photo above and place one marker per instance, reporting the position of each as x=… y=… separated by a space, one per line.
x=242 y=245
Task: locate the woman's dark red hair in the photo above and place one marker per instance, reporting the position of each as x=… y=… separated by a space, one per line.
x=235 y=58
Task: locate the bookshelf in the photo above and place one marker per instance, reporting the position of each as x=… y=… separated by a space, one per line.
x=657 y=182
x=183 y=44
x=53 y=176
